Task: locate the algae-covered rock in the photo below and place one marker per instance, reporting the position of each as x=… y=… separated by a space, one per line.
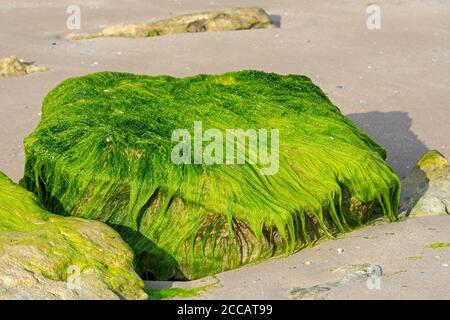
x=426 y=189
x=13 y=67
x=228 y=20
x=46 y=256
x=104 y=150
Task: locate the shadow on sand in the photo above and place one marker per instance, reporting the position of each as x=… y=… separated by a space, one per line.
x=276 y=19
x=392 y=130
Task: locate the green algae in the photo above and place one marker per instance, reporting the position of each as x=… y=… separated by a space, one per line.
x=102 y=151
x=171 y=293
x=57 y=243
x=414 y=258
x=438 y=245
x=213 y=21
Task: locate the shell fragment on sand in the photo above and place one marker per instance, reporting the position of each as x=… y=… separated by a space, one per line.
x=46 y=256
x=13 y=67
x=228 y=20
x=426 y=189
x=103 y=151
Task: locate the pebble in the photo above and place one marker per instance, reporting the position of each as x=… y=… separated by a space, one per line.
x=445 y=265
x=340 y=251
x=308 y=263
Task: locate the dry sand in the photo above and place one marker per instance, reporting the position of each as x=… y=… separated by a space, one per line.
x=393 y=82
x=411 y=270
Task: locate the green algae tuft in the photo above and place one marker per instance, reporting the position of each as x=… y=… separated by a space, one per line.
x=103 y=151
x=438 y=245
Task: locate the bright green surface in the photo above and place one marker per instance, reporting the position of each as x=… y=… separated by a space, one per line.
x=102 y=151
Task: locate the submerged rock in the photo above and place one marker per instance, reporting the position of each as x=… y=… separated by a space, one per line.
x=104 y=150
x=46 y=256
x=228 y=20
x=426 y=189
x=13 y=67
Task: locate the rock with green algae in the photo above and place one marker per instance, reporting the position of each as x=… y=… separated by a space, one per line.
x=47 y=256
x=103 y=151
x=426 y=189
x=13 y=67
x=214 y=21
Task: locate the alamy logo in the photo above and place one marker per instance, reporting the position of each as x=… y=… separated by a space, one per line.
x=73 y=22
x=235 y=146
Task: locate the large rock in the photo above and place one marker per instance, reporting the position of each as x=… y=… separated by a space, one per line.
x=228 y=20
x=426 y=189
x=45 y=256
x=103 y=151
x=13 y=67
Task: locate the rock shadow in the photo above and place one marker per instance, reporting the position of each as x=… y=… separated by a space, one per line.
x=392 y=130
x=152 y=263
x=276 y=20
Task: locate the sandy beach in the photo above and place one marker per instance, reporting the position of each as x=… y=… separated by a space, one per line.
x=394 y=83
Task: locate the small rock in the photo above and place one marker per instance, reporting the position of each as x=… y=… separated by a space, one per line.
x=426 y=189
x=340 y=251
x=445 y=265
x=308 y=263
x=44 y=255
x=12 y=67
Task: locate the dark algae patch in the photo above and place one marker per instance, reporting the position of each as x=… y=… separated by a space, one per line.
x=103 y=151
